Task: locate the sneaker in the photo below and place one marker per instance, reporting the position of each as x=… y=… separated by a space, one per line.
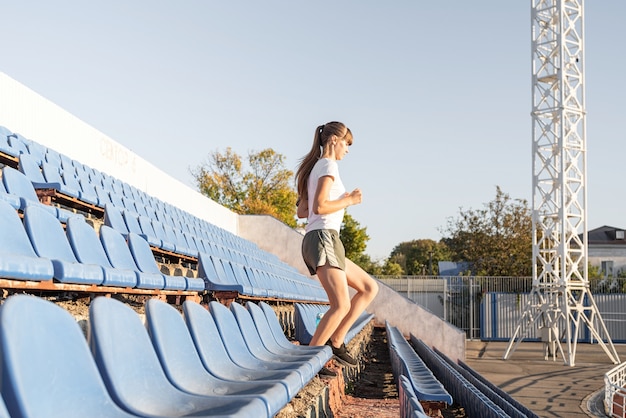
x=325 y=372
x=342 y=356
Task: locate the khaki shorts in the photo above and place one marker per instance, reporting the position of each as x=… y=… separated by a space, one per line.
x=322 y=247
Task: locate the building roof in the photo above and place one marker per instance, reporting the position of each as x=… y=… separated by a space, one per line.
x=607 y=235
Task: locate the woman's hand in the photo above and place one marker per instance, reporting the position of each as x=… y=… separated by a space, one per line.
x=355 y=197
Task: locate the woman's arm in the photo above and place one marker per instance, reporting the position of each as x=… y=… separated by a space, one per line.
x=323 y=206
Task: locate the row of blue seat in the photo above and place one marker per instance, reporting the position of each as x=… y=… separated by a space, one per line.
x=226 y=275
x=39 y=249
x=475 y=402
x=406 y=362
x=501 y=398
x=222 y=268
x=215 y=362
x=305 y=319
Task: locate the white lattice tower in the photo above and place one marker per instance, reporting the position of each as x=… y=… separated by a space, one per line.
x=560 y=298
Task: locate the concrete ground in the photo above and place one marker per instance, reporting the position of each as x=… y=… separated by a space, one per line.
x=548 y=388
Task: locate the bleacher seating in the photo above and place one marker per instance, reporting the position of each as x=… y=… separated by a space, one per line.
x=216 y=357
x=47 y=369
x=494 y=393
x=120 y=257
x=406 y=362
x=50 y=242
x=8 y=154
x=88 y=249
x=305 y=318
x=18 y=259
x=251 y=335
x=183 y=366
x=142 y=254
x=57 y=186
x=241 y=354
x=19 y=185
x=274 y=339
x=133 y=375
x=475 y=402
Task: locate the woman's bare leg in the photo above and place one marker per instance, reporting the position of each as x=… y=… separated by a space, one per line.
x=366 y=290
x=334 y=282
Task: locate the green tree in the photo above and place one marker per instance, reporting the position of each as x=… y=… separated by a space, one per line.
x=353 y=237
x=261 y=187
x=418 y=256
x=497 y=239
x=391 y=268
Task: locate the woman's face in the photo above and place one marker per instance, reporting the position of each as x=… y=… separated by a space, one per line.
x=341 y=148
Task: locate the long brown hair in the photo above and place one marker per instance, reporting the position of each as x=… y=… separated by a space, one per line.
x=320 y=141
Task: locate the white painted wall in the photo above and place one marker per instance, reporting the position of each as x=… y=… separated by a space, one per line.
x=25 y=112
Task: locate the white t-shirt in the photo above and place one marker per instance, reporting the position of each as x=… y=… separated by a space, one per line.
x=325 y=167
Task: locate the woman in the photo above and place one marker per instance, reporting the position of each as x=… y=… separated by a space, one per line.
x=323 y=200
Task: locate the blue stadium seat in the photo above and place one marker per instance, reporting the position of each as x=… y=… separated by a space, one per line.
x=273 y=337
x=183 y=367
x=258 y=289
x=144 y=258
x=215 y=358
x=256 y=345
x=159 y=231
x=305 y=320
x=240 y=353
x=405 y=361
x=104 y=198
x=47 y=369
x=113 y=219
x=18 y=259
x=305 y=317
x=131 y=220
x=37 y=151
x=88 y=249
x=53 y=157
x=28 y=166
x=5 y=146
x=70 y=179
x=18 y=143
x=53 y=179
x=182 y=245
x=18 y=184
x=277 y=329
x=120 y=257
x=50 y=241
x=67 y=164
x=132 y=372
x=147 y=231
x=212 y=271
x=11 y=199
x=410 y=406
x=88 y=189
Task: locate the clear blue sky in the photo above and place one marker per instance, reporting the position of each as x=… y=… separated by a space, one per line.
x=437 y=94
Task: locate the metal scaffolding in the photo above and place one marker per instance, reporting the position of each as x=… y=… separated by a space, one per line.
x=560 y=300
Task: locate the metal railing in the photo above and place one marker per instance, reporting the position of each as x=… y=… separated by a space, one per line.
x=458 y=299
x=614 y=392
